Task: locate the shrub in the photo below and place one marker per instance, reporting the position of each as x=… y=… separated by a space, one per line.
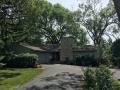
x=104 y=61
x=1 y=64
x=116 y=62
x=85 y=60
x=99 y=79
x=104 y=78
x=90 y=78
x=22 y=61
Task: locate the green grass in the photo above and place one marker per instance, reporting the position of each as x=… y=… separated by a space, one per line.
x=13 y=78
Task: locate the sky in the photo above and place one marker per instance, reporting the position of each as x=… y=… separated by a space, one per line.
x=72 y=4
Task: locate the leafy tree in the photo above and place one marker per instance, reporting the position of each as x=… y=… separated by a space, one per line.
x=55 y=22
x=116 y=48
x=95 y=20
x=14 y=14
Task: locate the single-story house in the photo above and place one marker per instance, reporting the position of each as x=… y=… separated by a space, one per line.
x=56 y=52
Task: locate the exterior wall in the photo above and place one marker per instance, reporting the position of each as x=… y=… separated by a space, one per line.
x=95 y=53
x=66 y=48
x=17 y=49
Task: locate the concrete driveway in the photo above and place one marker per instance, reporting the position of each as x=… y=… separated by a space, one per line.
x=58 y=77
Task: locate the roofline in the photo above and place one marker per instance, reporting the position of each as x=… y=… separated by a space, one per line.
x=84 y=50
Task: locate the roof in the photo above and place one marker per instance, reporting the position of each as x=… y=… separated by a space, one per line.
x=57 y=47
x=43 y=48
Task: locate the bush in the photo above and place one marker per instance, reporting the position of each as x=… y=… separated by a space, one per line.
x=104 y=61
x=116 y=62
x=22 y=61
x=99 y=79
x=1 y=65
x=89 y=78
x=85 y=60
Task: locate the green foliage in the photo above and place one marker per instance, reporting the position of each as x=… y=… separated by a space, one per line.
x=89 y=78
x=116 y=62
x=95 y=19
x=22 y=61
x=85 y=60
x=99 y=79
x=104 y=78
x=13 y=17
x=1 y=44
x=1 y=65
x=104 y=61
x=106 y=52
x=116 y=48
x=53 y=22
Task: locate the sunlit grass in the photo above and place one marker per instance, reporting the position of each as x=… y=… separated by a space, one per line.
x=13 y=78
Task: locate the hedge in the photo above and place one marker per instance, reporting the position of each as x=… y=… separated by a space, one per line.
x=22 y=61
x=86 y=60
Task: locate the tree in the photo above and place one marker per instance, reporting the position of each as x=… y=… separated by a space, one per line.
x=14 y=14
x=55 y=22
x=95 y=20
x=116 y=48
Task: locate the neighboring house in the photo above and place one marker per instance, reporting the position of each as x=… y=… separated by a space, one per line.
x=56 y=52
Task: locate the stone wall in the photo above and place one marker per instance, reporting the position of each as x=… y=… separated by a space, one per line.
x=66 y=48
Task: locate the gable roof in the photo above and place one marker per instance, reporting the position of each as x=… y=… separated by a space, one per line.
x=57 y=47
x=43 y=48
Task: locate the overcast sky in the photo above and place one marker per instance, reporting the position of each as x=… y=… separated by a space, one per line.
x=72 y=4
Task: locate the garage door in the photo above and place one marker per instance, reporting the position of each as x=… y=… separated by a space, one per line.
x=43 y=58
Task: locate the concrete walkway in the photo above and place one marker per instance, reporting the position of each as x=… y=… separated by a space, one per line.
x=59 y=77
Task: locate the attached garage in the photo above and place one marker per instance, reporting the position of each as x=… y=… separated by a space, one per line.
x=43 y=57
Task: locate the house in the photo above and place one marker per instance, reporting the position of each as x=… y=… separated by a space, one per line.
x=56 y=52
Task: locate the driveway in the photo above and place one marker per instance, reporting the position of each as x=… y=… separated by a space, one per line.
x=59 y=77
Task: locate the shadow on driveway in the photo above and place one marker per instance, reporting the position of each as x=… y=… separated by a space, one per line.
x=61 y=81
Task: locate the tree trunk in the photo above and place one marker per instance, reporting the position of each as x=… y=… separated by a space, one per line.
x=117 y=6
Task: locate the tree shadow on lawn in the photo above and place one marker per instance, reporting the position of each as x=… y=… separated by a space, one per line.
x=5 y=75
x=61 y=81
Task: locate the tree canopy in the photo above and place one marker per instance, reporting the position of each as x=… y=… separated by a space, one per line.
x=54 y=22
x=14 y=14
x=96 y=20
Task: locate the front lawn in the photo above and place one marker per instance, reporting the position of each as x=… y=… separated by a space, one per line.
x=13 y=78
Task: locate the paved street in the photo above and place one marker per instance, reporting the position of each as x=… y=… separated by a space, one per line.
x=59 y=77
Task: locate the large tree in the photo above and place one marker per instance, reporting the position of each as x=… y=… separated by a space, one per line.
x=14 y=15
x=55 y=22
x=96 y=20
